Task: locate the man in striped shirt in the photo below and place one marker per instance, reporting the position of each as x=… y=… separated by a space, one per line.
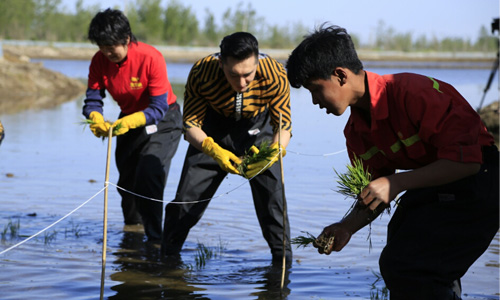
x=233 y=100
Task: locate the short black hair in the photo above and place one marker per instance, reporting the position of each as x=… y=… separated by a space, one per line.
x=239 y=45
x=109 y=28
x=317 y=56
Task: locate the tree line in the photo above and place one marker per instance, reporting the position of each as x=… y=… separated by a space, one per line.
x=177 y=24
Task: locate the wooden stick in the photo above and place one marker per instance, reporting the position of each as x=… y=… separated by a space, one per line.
x=105 y=222
x=283 y=267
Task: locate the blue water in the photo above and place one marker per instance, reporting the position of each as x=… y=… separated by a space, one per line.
x=50 y=164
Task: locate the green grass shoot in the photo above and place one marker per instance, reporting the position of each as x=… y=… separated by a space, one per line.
x=250 y=157
x=377 y=292
x=12 y=228
x=354 y=180
x=86 y=122
x=303 y=241
x=204 y=254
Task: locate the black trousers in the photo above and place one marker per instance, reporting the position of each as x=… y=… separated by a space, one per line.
x=201 y=176
x=143 y=161
x=436 y=234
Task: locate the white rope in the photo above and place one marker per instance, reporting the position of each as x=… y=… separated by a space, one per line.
x=220 y=195
x=197 y=201
x=53 y=224
x=157 y=200
x=326 y=154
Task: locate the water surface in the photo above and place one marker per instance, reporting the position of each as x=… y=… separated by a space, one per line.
x=50 y=164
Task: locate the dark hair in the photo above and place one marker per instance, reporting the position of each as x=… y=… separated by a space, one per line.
x=317 y=56
x=239 y=45
x=110 y=27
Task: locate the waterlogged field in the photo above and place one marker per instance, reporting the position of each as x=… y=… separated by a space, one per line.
x=52 y=177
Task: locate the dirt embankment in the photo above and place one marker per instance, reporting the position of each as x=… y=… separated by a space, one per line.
x=26 y=85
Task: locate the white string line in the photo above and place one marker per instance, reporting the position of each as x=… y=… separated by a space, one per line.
x=197 y=201
x=326 y=154
x=222 y=194
x=152 y=199
x=53 y=224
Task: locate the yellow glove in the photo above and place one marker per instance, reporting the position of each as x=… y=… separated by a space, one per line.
x=2 y=132
x=99 y=127
x=261 y=166
x=226 y=159
x=126 y=123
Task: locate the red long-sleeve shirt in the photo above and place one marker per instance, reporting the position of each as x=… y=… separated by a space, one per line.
x=140 y=83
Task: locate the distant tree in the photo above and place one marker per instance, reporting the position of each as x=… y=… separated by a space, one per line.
x=149 y=13
x=181 y=25
x=277 y=38
x=178 y=25
x=421 y=43
x=402 y=42
x=48 y=23
x=78 y=24
x=454 y=44
x=486 y=41
x=384 y=36
x=16 y=19
x=242 y=20
x=286 y=36
x=210 y=35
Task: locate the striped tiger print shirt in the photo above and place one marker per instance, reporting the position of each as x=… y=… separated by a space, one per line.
x=207 y=86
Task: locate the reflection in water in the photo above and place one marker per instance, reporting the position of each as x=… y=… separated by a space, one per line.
x=271 y=283
x=143 y=274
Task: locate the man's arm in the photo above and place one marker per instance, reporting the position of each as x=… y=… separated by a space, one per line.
x=377 y=195
x=357 y=218
x=195 y=136
x=283 y=137
x=443 y=171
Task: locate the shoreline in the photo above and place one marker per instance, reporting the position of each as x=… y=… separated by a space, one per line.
x=73 y=51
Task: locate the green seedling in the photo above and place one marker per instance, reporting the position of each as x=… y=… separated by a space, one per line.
x=251 y=157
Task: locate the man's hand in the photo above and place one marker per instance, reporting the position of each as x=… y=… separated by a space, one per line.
x=99 y=127
x=333 y=238
x=261 y=166
x=226 y=159
x=123 y=125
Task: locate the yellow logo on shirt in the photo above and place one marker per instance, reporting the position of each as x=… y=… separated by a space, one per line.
x=135 y=84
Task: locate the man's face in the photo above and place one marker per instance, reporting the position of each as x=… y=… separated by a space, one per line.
x=239 y=74
x=330 y=94
x=115 y=53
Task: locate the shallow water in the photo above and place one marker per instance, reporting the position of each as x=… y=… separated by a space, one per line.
x=50 y=164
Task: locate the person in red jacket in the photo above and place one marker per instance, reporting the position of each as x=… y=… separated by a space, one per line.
x=449 y=212
x=149 y=126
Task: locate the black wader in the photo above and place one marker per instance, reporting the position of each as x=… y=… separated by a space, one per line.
x=201 y=176
x=436 y=234
x=143 y=161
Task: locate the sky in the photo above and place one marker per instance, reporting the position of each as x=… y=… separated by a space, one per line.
x=439 y=18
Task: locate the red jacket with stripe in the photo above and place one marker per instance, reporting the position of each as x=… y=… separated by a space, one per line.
x=415 y=120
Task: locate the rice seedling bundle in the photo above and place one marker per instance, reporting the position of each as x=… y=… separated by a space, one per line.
x=255 y=155
x=350 y=184
x=90 y=122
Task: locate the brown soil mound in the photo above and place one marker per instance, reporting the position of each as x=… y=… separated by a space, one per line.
x=25 y=85
x=490 y=115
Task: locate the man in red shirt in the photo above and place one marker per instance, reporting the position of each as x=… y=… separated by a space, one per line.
x=150 y=122
x=449 y=212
